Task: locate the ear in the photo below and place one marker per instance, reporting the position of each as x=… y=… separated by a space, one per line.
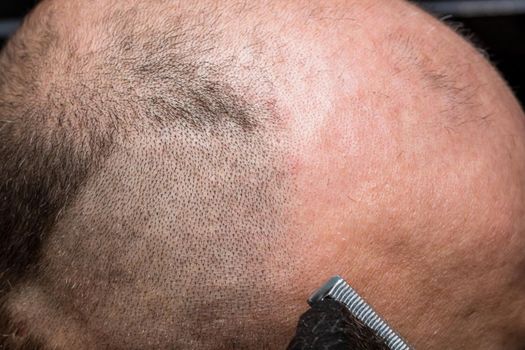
x=29 y=320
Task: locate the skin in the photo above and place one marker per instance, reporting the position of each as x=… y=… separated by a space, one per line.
x=419 y=187
x=408 y=158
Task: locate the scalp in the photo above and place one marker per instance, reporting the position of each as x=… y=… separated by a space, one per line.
x=174 y=168
x=175 y=198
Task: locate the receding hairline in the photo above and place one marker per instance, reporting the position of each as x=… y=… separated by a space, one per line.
x=72 y=128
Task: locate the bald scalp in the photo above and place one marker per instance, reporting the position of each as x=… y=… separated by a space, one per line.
x=146 y=193
x=203 y=167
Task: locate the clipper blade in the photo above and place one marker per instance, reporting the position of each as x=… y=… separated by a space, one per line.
x=338 y=289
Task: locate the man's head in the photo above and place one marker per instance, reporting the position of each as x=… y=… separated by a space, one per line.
x=183 y=175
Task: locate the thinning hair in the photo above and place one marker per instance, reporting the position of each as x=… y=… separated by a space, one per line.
x=127 y=159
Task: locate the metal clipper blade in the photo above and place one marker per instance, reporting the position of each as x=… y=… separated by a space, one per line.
x=338 y=289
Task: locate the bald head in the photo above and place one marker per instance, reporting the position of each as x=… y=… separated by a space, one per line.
x=183 y=176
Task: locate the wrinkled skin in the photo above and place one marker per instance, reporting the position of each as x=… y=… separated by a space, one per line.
x=407 y=151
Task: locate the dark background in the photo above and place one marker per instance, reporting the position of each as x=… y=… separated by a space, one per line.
x=497 y=26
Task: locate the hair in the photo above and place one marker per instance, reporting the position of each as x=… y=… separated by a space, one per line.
x=135 y=173
x=328 y=325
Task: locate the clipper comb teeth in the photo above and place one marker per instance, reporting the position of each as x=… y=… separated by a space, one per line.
x=338 y=289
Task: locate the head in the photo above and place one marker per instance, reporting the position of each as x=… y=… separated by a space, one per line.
x=183 y=176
